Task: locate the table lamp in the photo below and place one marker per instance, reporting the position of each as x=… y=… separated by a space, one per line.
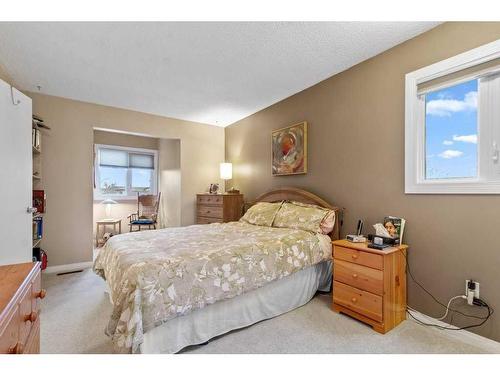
x=226 y=173
x=108 y=203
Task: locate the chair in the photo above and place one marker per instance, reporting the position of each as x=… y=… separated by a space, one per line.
x=147 y=212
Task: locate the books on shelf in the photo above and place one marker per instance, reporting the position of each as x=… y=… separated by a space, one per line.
x=37 y=227
x=39 y=200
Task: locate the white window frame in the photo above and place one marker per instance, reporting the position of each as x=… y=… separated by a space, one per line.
x=131 y=195
x=488 y=180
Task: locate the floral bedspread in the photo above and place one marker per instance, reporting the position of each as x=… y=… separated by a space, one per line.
x=157 y=275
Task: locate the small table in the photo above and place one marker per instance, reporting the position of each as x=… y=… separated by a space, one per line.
x=103 y=223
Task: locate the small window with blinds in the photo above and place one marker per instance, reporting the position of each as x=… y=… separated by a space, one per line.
x=122 y=172
x=452 y=125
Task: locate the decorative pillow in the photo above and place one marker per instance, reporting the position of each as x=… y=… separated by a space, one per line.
x=262 y=213
x=296 y=215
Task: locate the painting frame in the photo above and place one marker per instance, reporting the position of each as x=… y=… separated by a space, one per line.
x=300 y=129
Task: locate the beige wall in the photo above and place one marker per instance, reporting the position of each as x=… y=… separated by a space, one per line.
x=67 y=166
x=4 y=76
x=125 y=140
x=356 y=160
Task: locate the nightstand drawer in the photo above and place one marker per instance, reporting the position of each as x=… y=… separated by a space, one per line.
x=365 y=303
x=207 y=220
x=361 y=277
x=214 y=200
x=210 y=211
x=359 y=257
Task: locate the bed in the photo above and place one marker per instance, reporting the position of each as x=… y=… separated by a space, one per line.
x=176 y=287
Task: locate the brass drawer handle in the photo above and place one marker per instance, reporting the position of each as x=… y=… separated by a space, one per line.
x=41 y=294
x=354 y=300
x=354 y=256
x=31 y=317
x=354 y=275
x=17 y=349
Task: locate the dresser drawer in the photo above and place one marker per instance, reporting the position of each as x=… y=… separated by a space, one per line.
x=359 y=257
x=214 y=200
x=9 y=333
x=207 y=220
x=361 y=277
x=37 y=292
x=210 y=211
x=26 y=315
x=362 y=302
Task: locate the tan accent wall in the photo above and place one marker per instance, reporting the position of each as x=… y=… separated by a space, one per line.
x=67 y=166
x=356 y=160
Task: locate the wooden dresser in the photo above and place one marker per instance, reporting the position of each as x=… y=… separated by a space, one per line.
x=369 y=284
x=218 y=208
x=20 y=294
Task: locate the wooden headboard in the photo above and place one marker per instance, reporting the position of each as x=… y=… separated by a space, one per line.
x=303 y=196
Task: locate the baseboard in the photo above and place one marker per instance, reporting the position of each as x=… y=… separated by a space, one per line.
x=463 y=335
x=68 y=267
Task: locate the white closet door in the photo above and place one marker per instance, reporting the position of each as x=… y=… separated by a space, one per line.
x=15 y=176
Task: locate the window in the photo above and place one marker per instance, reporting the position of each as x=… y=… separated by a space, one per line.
x=122 y=172
x=452 y=125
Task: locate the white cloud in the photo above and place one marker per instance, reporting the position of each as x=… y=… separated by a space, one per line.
x=447 y=143
x=450 y=154
x=445 y=107
x=465 y=138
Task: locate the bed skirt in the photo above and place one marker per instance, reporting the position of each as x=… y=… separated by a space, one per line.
x=273 y=299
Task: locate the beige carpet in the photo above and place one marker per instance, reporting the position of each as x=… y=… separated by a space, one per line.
x=76 y=311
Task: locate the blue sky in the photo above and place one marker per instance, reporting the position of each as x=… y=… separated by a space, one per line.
x=451 y=132
x=118 y=176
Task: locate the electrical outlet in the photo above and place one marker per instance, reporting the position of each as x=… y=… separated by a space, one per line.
x=476 y=291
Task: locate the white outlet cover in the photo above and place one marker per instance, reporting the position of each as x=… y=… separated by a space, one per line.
x=476 y=291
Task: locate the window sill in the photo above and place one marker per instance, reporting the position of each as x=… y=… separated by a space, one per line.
x=453 y=188
x=119 y=200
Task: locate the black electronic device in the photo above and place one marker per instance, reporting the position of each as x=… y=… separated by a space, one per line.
x=378 y=247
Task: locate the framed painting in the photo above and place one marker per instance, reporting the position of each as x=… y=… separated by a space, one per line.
x=289 y=150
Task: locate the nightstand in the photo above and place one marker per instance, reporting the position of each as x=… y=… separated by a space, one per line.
x=369 y=284
x=218 y=208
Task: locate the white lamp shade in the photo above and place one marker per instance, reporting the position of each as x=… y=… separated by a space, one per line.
x=109 y=201
x=226 y=171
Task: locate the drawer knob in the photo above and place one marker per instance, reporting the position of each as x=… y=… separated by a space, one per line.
x=354 y=275
x=41 y=294
x=31 y=317
x=354 y=300
x=354 y=256
x=17 y=349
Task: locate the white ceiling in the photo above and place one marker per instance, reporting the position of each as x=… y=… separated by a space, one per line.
x=214 y=73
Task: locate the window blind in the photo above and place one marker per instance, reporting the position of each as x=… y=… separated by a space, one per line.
x=474 y=72
x=113 y=158
x=144 y=161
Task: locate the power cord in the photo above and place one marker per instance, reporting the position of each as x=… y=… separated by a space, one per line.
x=476 y=302
x=450 y=328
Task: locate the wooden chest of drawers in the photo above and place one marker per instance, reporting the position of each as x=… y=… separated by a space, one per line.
x=218 y=208
x=20 y=294
x=369 y=284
